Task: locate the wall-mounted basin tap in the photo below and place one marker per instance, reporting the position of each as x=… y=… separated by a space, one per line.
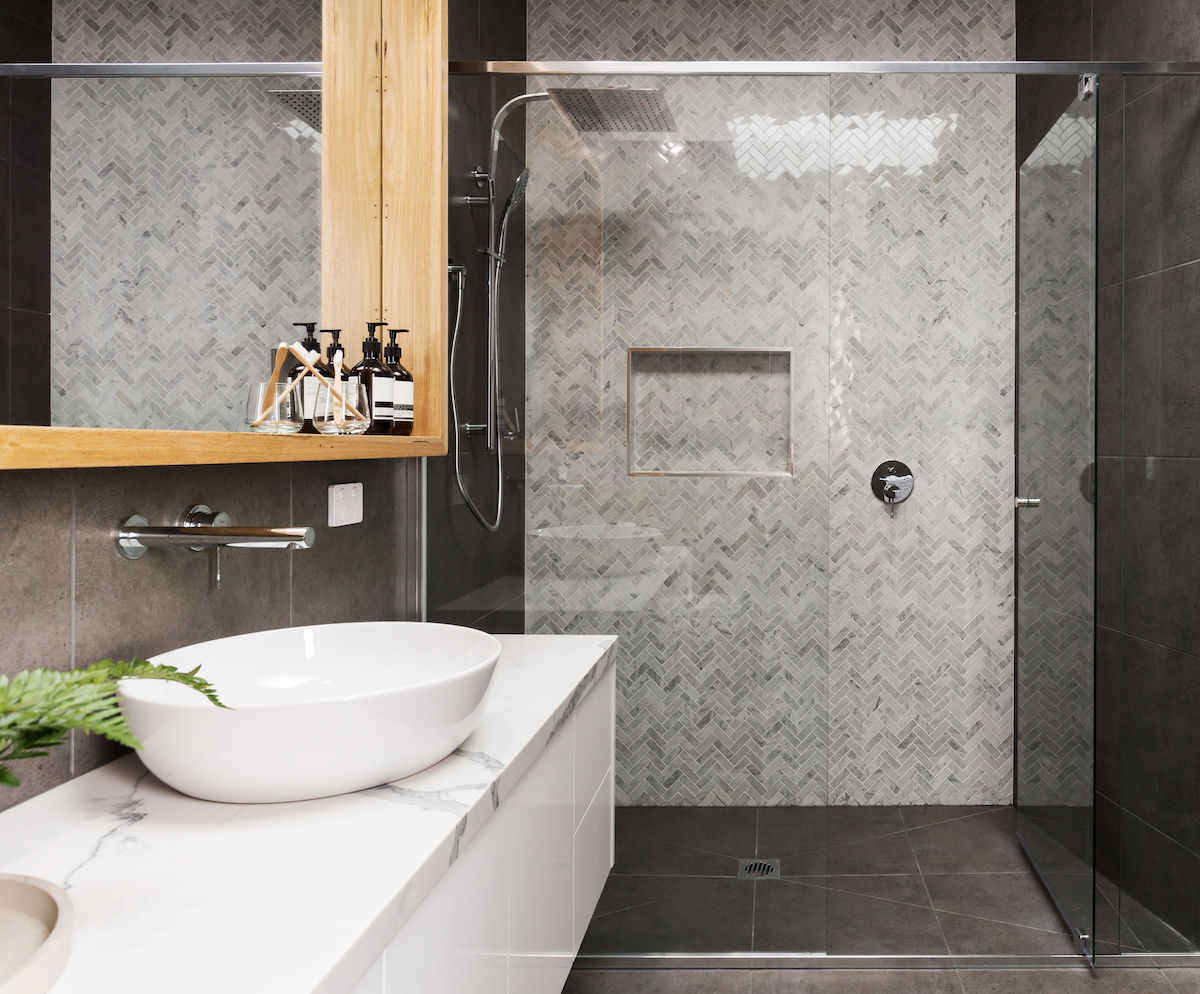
x=202 y=528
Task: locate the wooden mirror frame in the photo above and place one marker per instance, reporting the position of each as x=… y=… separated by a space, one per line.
x=383 y=245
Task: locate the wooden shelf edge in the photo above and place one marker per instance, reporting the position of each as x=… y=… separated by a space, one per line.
x=33 y=447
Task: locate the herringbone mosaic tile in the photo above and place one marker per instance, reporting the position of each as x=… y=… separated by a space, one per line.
x=186 y=214
x=782 y=639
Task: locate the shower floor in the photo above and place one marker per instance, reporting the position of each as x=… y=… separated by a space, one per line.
x=852 y=881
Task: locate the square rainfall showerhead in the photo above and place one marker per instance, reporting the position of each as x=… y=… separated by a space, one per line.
x=614 y=109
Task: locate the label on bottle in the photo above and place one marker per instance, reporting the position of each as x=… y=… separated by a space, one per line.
x=402 y=400
x=309 y=387
x=381 y=398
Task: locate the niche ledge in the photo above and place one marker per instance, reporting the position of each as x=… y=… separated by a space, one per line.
x=709 y=412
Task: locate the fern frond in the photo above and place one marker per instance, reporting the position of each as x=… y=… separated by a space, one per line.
x=39 y=707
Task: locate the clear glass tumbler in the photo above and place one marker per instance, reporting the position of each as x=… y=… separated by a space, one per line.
x=273 y=410
x=347 y=414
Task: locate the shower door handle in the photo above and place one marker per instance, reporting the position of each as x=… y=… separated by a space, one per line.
x=1029 y=502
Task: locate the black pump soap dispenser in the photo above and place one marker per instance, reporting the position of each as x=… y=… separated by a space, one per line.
x=326 y=365
x=402 y=387
x=308 y=388
x=378 y=379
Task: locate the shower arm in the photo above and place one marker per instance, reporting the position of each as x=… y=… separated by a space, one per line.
x=495 y=262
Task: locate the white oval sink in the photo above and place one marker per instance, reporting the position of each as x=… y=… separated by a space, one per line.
x=316 y=711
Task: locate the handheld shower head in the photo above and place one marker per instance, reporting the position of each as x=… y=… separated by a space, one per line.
x=515 y=199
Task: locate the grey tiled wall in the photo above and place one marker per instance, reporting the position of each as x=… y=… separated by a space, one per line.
x=1148 y=554
x=69 y=598
x=784 y=640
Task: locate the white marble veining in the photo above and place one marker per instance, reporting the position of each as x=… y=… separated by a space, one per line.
x=172 y=893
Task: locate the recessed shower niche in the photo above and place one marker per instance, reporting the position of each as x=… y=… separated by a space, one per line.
x=709 y=412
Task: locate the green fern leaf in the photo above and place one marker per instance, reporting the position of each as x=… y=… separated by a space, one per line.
x=39 y=707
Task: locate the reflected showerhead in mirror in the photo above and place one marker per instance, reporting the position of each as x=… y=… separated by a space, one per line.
x=614 y=109
x=304 y=103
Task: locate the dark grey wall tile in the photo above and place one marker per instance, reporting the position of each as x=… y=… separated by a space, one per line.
x=168 y=598
x=1160 y=551
x=1110 y=193
x=1108 y=847
x=29 y=368
x=29 y=256
x=1124 y=30
x=1160 y=739
x=35 y=597
x=1162 y=350
x=353 y=572
x=1160 y=874
x=501 y=29
x=1162 y=178
x=1108 y=542
x=464 y=30
x=1108 y=712
x=1110 y=372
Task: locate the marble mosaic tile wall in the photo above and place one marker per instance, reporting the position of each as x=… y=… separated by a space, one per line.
x=783 y=639
x=186 y=213
x=1056 y=542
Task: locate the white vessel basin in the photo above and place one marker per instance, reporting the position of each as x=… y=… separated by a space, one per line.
x=316 y=711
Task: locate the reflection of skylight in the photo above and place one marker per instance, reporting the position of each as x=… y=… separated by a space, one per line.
x=1070 y=143
x=766 y=148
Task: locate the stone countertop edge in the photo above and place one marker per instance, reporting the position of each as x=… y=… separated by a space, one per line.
x=114 y=835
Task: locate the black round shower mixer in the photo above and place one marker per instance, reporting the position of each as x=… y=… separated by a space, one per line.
x=892 y=482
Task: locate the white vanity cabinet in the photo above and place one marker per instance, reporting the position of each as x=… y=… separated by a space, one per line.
x=509 y=916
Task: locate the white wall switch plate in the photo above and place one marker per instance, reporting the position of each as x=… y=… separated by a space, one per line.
x=345 y=504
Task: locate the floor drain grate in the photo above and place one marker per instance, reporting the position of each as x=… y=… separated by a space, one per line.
x=758 y=869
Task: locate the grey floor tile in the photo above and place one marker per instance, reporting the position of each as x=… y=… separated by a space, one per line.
x=658 y=982
x=1064 y=981
x=640 y=854
x=885 y=854
x=977 y=936
x=729 y=831
x=902 y=888
x=1013 y=898
x=789 y=830
x=919 y=815
x=863 y=926
x=856 y=982
x=848 y=824
x=805 y=864
x=624 y=892
x=716 y=919
x=789 y=917
x=1183 y=980
x=983 y=844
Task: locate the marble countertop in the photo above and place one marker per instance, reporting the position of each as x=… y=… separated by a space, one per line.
x=175 y=894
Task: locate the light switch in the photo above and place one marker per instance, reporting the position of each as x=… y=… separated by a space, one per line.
x=345 y=504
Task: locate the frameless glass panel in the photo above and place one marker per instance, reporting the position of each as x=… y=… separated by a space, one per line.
x=1055 y=514
x=677 y=299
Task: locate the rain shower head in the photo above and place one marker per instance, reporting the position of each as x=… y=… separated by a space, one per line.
x=614 y=109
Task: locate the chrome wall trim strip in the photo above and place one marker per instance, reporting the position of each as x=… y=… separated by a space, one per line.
x=769 y=68
x=130 y=70
x=821 y=961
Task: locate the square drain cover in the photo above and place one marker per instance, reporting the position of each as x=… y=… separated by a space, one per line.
x=758 y=869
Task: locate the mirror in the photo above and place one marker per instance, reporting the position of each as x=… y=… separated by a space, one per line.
x=163 y=233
